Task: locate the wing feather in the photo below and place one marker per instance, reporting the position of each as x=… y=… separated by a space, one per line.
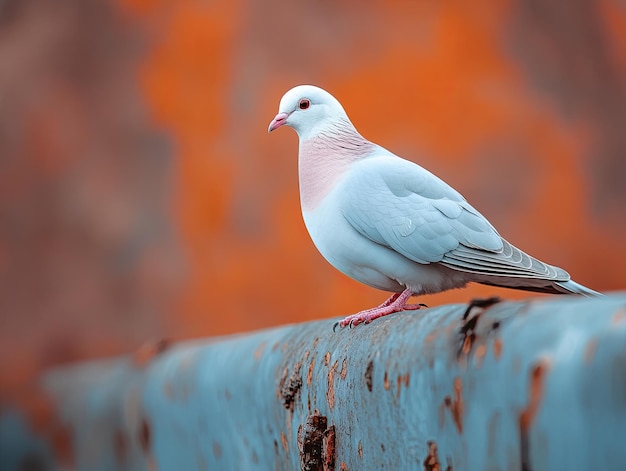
x=400 y=205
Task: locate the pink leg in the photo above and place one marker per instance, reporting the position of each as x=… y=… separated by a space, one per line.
x=396 y=303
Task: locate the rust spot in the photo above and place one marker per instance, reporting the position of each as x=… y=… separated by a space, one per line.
x=431 y=463
x=309 y=376
x=330 y=453
x=149 y=350
x=369 y=371
x=316 y=444
x=590 y=351
x=527 y=416
x=217 y=450
x=62 y=443
x=619 y=316
x=290 y=387
x=327 y=359
x=360 y=450
x=481 y=351
x=316 y=341
x=430 y=338
x=535 y=394
x=344 y=369
x=330 y=390
x=121 y=447
x=497 y=348
x=258 y=353
x=386 y=381
x=455 y=405
x=343 y=466
x=283 y=441
x=144 y=436
x=402 y=379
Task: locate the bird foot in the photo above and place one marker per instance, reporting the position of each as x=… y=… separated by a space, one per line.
x=396 y=303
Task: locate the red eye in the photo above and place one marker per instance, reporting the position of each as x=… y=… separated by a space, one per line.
x=304 y=104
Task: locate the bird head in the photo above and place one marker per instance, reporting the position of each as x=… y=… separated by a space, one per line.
x=307 y=109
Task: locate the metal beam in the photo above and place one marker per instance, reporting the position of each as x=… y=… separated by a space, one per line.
x=533 y=385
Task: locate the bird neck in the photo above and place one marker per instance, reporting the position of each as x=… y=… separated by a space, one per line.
x=325 y=157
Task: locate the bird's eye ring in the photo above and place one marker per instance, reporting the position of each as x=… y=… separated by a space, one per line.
x=304 y=103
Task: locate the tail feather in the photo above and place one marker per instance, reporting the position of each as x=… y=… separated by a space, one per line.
x=571 y=287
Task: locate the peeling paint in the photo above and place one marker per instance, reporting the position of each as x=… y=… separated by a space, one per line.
x=497 y=348
x=369 y=371
x=330 y=390
x=455 y=406
x=258 y=353
x=527 y=416
x=309 y=376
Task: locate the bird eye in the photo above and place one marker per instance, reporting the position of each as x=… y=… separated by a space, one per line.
x=304 y=104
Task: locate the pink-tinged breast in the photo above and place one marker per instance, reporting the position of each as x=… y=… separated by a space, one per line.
x=324 y=159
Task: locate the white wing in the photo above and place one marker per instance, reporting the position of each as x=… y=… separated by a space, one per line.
x=400 y=205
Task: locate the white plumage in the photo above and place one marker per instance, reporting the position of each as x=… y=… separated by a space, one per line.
x=391 y=224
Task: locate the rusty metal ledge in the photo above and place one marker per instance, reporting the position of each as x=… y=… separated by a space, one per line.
x=534 y=385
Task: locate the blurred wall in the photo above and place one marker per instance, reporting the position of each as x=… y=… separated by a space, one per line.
x=141 y=196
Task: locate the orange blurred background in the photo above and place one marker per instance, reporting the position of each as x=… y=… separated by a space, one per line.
x=141 y=196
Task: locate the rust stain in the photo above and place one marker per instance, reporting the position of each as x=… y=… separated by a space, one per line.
x=402 y=379
x=430 y=338
x=316 y=341
x=121 y=447
x=144 y=435
x=386 y=381
x=590 y=351
x=283 y=441
x=217 y=450
x=619 y=316
x=360 y=450
x=481 y=351
x=527 y=416
x=258 y=353
x=344 y=369
x=327 y=359
x=149 y=350
x=535 y=394
x=455 y=406
x=290 y=387
x=497 y=348
x=309 y=376
x=62 y=443
x=432 y=463
x=330 y=391
x=330 y=453
x=369 y=371
x=343 y=466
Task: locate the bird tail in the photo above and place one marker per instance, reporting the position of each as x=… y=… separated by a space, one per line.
x=571 y=287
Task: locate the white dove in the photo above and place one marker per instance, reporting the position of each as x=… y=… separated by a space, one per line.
x=391 y=224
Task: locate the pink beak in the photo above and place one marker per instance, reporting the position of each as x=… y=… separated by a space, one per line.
x=278 y=121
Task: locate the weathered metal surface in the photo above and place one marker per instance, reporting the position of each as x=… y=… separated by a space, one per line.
x=535 y=385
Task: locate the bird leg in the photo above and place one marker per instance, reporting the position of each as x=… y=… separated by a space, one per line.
x=396 y=303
